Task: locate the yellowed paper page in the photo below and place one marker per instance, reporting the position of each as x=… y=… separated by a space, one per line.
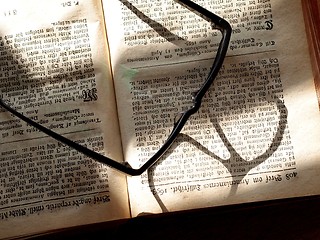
x=55 y=69
x=256 y=136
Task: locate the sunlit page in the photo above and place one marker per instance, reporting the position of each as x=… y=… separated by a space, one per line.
x=256 y=134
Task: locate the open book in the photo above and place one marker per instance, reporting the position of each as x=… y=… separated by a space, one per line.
x=112 y=75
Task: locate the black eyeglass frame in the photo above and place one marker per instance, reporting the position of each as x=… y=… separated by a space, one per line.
x=217 y=23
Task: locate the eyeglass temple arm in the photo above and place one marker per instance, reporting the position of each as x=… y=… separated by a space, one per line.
x=225 y=28
x=220 y=24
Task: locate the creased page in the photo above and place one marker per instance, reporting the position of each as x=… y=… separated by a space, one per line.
x=256 y=136
x=55 y=69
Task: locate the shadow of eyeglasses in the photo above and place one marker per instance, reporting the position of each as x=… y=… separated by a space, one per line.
x=234 y=154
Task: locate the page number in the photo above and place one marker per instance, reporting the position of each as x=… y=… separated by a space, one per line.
x=70 y=3
x=9 y=13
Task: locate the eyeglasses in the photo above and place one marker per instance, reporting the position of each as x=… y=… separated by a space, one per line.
x=217 y=23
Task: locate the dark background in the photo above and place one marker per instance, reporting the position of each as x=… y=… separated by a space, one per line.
x=297 y=218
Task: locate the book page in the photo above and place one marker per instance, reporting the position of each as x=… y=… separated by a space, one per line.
x=311 y=12
x=55 y=69
x=256 y=135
